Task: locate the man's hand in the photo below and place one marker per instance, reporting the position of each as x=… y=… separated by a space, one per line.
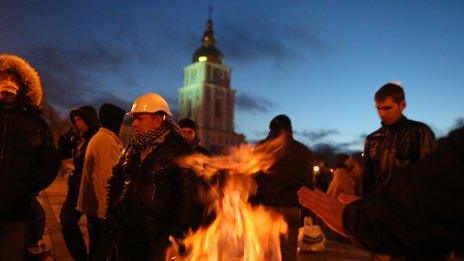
x=327 y=208
x=347 y=198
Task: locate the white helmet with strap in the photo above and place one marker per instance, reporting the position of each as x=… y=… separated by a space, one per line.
x=150 y=103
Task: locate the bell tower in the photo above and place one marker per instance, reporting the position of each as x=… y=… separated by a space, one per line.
x=207 y=97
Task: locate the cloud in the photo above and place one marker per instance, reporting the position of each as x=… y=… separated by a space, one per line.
x=317 y=134
x=91 y=73
x=266 y=39
x=246 y=102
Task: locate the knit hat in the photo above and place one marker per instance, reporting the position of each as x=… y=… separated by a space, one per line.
x=111 y=117
x=187 y=123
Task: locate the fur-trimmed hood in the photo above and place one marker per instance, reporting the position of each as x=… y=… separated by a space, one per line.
x=30 y=92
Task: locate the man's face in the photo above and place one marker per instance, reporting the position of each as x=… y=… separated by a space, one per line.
x=8 y=88
x=389 y=111
x=188 y=133
x=80 y=124
x=145 y=122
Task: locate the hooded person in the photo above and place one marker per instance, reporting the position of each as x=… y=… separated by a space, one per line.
x=73 y=144
x=102 y=152
x=29 y=161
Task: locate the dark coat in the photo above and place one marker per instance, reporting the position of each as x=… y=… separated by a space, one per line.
x=29 y=160
x=394 y=148
x=421 y=213
x=293 y=169
x=72 y=145
x=152 y=199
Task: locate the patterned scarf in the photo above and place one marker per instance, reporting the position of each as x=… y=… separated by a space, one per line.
x=144 y=141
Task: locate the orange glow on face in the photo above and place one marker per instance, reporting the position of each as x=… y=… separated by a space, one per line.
x=239 y=231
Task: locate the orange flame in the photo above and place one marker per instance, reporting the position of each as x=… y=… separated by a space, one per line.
x=240 y=231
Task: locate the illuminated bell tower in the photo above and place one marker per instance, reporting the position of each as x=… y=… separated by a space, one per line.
x=207 y=98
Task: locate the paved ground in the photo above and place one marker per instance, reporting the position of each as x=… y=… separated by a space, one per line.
x=53 y=197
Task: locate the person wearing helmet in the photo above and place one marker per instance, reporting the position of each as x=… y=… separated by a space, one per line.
x=149 y=196
x=29 y=161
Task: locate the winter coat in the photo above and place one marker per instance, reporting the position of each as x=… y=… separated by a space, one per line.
x=421 y=213
x=394 y=148
x=277 y=187
x=73 y=145
x=343 y=181
x=102 y=153
x=152 y=199
x=29 y=161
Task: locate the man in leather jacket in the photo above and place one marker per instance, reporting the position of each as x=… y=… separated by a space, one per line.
x=398 y=144
x=150 y=196
x=29 y=161
x=419 y=215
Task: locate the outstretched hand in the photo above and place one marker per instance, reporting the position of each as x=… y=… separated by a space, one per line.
x=330 y=210
x=347 y=198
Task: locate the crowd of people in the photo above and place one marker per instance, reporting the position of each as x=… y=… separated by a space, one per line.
x=401 y=199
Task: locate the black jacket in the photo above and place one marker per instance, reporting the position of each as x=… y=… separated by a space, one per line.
x=72 y=145
x=421 y=213
x=29 y=161
x=277 y=187
x=152 y=199
x=394 y=148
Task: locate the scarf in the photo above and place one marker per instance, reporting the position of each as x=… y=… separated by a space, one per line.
x=144 y=141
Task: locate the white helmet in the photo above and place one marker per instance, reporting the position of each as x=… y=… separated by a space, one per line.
x=150 y=103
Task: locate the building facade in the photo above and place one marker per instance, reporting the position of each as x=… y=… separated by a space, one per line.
x=207 y=97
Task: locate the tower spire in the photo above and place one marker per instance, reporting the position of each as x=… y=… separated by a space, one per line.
x=208 y=51
x=210 y=11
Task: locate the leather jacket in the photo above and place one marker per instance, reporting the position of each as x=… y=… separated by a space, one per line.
x=421 y=214
x=151 y=199
x=29 y=160
x=394 y=148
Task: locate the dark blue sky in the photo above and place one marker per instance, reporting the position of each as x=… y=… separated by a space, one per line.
x=320 y=62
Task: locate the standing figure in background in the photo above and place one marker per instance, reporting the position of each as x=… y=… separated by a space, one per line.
x=277 y=188
x=102 y=153
x=347 y=179
x=29 y=161
x=73 y=144
x=323 y=178
x=189 y=131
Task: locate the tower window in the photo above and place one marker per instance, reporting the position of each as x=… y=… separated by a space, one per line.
x=217 y=109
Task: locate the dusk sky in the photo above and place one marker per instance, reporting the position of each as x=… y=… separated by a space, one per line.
x=320 y=62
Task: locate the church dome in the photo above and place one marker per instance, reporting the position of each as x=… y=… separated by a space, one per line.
x=208 y=51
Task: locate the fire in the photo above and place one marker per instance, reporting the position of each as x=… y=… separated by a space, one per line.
x=239 y=231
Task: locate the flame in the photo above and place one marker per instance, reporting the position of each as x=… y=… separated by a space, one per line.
x=239 y=231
